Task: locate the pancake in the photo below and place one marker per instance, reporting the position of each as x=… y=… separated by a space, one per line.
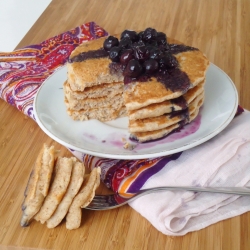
x=157 y=134
x=108 y=89
x=159 y=122
x=96 y=71
x=168 y=106
x=91 y=103
x=101 y=114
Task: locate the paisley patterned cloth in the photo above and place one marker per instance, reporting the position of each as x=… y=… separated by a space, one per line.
x=126 y=176
x=24 y=70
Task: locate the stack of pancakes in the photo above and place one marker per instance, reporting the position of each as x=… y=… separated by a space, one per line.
x=95 y=89
x=90 y=91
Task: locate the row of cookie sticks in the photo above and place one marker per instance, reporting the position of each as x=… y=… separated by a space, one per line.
x=58 y=188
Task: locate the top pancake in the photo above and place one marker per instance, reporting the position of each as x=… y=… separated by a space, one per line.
x=96 y=71
x=157 y=109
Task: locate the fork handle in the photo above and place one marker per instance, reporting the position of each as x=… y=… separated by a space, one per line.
x=223 y=190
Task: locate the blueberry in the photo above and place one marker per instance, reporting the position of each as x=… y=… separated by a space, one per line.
x=114 y=54
x=77 y=58
x=164 y=48
x=161 y=38
x=167 y=47
x=126 y=56
x=163 y=72
x=132 y=35
x=150 y=66
x=141 y=52
x=168 y=61
x=140 y=35
x=152 y=43
x=139 y=43
x=110 y=42
x=163 y=63
x=125 y=43
x=133 y=69
x=156 y=54
x=149 y=34
x=150 y=47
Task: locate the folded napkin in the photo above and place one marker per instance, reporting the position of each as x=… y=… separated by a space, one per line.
x=23 y=71
x=222 y=161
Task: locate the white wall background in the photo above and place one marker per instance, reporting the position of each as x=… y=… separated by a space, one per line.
x=16 y=18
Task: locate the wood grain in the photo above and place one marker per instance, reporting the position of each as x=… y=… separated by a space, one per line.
x=220 y=28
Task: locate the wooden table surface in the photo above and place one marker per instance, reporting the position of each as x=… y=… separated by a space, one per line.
x=220 y=28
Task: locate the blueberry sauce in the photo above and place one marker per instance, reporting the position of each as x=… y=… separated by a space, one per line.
x=180 y=101
x=183 y=114
x=175 y=80
x=92 y=54
x=181 y=132
x=179 y=48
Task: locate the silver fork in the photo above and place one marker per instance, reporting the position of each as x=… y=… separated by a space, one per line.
x=105 y=202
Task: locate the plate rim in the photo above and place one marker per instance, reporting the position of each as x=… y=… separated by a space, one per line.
x=174 y=150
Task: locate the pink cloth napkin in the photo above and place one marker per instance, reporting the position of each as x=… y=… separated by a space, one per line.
x=222 y=161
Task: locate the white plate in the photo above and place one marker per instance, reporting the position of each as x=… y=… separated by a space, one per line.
x=106 y=139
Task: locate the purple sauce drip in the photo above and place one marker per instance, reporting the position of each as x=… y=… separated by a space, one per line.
x=91 y=54
x=175 y=80
x=178 y=48
x=183 y=114
x=176 y=134
x=180 y=101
